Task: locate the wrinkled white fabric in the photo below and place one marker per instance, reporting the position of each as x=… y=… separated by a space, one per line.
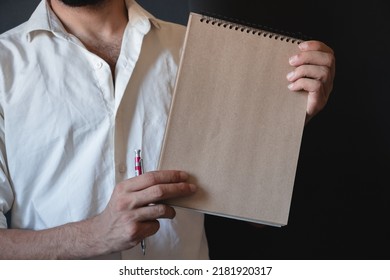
x=68 y=134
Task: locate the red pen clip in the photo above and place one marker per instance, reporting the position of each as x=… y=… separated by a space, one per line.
x=139 y=170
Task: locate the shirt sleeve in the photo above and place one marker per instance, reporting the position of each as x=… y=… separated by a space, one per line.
x=6 y=193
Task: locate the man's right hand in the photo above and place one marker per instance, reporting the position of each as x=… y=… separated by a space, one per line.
x=130 y=216
x=132 y=212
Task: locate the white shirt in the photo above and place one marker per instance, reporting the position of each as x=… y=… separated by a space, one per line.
x=68 y=135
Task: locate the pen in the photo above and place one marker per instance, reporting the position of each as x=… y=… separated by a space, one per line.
x=139 y=170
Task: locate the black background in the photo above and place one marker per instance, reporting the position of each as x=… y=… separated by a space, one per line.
x=341 y=201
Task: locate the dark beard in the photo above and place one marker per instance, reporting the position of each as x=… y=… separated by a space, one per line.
x=82 y=3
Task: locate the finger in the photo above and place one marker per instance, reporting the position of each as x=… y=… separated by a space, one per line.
x=161 y=192
x=140 y=230
x=150 y=228
x=315 y=46
x=153 y=178
x=306 y=84
x=314 y=104
x=317 y=96
x=312 y=57
x=143 y=221
x=320 y=73
x=154 y=212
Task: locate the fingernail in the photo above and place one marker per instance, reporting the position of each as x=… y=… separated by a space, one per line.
x=290 y=75
x=183 y=175
x=303 y=46
x=291 y=86
x=293 y=59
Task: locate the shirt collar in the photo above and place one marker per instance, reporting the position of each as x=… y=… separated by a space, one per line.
x=136 y=14
x=39 y=20
x=45 y=19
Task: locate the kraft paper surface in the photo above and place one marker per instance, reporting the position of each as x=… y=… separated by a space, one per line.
x=234 y=126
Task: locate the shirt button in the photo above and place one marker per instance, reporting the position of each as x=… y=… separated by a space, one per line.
x=99 y=65
x=122 y=168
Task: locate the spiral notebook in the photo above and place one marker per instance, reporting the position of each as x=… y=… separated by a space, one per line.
x=234 y=126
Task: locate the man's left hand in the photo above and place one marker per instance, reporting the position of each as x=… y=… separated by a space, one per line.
x=314 y=73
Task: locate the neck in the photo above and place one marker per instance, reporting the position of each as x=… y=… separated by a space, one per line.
x=103 y=22
x=100 y=28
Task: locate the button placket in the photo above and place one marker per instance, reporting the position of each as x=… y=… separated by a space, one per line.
x=122 y=168
x=98 y=65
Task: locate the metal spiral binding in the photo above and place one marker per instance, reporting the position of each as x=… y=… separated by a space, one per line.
x=248 y=29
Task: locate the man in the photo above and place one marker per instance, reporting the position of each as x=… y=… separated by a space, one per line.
x=82 y=85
